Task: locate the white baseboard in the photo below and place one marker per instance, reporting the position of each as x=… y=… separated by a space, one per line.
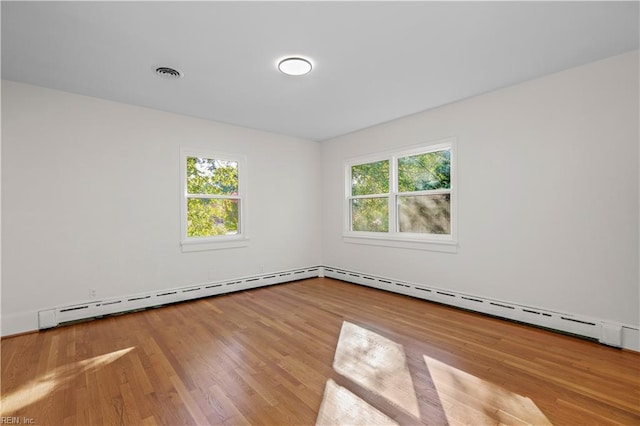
x=22 y=322
x=52 y=317
x=631 y=338
x=606 y=332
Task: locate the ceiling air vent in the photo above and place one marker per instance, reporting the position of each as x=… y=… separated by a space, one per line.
x=169 y=72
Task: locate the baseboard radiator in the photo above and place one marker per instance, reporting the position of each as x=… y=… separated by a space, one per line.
x=60 y=316
x=605 y=332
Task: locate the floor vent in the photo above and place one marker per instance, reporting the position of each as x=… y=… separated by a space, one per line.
x=501 y=305
x=75 y=308
x=578 y=321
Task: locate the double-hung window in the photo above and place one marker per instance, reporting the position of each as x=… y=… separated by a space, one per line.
x=213 y=201
x=406 y=195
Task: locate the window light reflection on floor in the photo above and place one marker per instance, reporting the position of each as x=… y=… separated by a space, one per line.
x=469 y=399
x=342 y=407
x=54 y=380
x=377 y=364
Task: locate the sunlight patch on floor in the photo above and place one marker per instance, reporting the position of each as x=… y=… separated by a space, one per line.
x=377 y=364
x=342 y=407
x=469 y=399
x=57 y=378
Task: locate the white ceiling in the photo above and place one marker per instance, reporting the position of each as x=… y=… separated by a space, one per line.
x=374 y=61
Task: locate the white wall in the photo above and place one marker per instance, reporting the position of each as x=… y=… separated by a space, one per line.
x=548 y=197
x=547 y=192
x=90 y=199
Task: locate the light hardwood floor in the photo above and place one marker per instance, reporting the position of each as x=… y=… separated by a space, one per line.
x=314 y=350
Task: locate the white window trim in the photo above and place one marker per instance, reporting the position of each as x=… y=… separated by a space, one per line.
x=241 y=239
x=444 y=243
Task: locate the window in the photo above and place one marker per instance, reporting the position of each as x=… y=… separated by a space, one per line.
x=213 y=202
x=402 y=196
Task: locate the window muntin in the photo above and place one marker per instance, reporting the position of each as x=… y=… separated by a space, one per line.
x=405 y=195
x=213 y=201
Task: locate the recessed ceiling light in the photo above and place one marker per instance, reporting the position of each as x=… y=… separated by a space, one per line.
x=295 y=66
x=169 y=72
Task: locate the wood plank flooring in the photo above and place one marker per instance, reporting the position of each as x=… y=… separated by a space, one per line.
x=266 y=357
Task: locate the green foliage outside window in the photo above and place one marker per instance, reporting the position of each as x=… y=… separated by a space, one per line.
x=207 y=217
x=211 y=217
x=418 y=209
x=425 y=214
x=209 y=176
x=370 y=214
x=424 y=171
x=370 y=178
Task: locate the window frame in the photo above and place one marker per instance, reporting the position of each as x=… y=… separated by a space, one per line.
x=215 y=242
x=393 y=237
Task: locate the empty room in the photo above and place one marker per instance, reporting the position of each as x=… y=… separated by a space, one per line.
x=320 y=213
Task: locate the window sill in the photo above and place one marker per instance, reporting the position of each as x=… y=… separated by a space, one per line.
x=444 y=246
x=191 y=246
